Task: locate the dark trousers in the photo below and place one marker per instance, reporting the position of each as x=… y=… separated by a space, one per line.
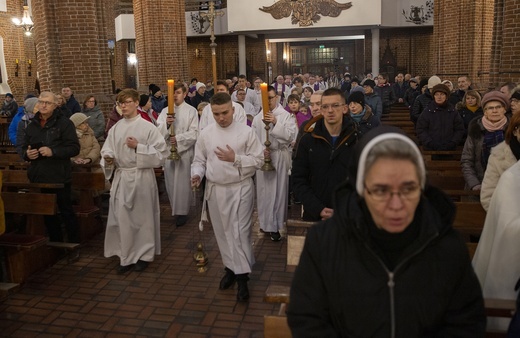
x=53 y=222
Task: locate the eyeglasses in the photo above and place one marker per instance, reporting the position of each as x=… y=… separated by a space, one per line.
x=45 y=103
x=120 y=104
x=384 y=193
x=515 y=101
x=271 y=97
x=334 y=106
x=493 y=108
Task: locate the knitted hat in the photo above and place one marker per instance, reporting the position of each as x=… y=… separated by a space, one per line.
x=199 y=84
x=375 y=136
x=434 y=80
x=423 y=83
x=414 y=80
x=143 y=100
x=516 y=94
x=78 y=118
x=441 y=88
x=357 y=97
x=356 y=80
x=29 y=105
x=154 y=88
x=10 y=95
x=369 y=82
x=495 y=96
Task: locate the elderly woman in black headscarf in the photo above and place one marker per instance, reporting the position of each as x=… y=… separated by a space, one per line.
x=388 y=263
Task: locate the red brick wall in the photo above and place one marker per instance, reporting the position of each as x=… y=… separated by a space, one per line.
x=71 y=42
x=463 y=34
x=412 y=49
x=160 y=41
x=505 y=63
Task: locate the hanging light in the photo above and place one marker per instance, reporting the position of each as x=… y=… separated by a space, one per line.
x=26 y=22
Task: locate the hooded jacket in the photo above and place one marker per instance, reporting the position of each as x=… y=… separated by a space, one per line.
x=320 y=166
x=440 y=127
x=342 y=286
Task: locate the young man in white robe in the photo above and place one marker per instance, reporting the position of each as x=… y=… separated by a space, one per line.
x=272 y=187
x=206 y=118
x=133 y=148
x=251 y=95
x=228 y=154
x=177 y=173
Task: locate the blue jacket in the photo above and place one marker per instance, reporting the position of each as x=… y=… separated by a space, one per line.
x=14 y=124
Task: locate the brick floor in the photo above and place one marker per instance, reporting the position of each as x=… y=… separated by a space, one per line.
x=87 y=298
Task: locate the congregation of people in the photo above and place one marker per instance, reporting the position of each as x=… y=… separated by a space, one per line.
x=364 y=183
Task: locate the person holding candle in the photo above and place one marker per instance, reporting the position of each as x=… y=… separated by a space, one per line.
x=227 y=154
x=177 y=172
x=132 y=149
x=272 y=187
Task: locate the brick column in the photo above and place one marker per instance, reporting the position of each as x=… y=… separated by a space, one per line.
x=463 y=33
x=71 y=44
x=160 y=41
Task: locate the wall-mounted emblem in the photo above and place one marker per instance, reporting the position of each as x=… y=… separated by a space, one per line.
x=199 y=23
x=419 y=15
x=305 y=12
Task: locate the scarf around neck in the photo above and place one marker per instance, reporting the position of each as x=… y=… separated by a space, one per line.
x=358 y=117
x=494 y=126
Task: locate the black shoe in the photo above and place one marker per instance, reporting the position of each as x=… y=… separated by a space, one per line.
x=181 y=220
x=140 y=265
x=228 y=280
x=124 y=268
x=243 y=290
x=276 y=237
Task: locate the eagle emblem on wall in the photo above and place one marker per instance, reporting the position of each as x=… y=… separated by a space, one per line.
x=305 y=12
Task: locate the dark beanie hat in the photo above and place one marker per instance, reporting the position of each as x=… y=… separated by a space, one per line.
x=424 y=82
x=10 y=95
x=357 y=97
x=369 y=82
x=154 y=88
x=356 y=80
x=441 y=88
x=143 y=100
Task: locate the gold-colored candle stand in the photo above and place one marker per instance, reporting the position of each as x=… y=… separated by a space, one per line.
x=201 y=258
x=174 y=155
x=267 y=161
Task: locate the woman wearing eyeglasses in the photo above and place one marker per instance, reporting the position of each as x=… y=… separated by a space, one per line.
x=484 y=133
x=388 y=263
x=96 y=119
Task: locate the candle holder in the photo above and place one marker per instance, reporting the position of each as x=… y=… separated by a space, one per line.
x=267 y=161
x=201 y=258
x=174 y=155
x=29 y=67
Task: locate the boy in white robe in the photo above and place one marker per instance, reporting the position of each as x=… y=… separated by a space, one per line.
x=228 y=154
x=132 y=149
x=272 y=187
x=177 y=172
x=206 y=118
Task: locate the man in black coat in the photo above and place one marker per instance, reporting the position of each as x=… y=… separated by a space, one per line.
x=72 y=104
x=323 y=155
x=50 y=141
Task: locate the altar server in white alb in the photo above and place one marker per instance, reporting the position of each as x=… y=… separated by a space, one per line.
x=177 y=172
x=228 y=154
x=272 y=187
x=206 y=118
x=132 y=149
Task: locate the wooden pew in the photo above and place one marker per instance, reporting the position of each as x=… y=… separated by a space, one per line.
x=25 y=253
x=446 y=179
x=87 y=212
x=469 y=219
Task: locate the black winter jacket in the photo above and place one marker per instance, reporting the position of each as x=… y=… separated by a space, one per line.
x=319 y=167
x=440 y=128
x=343 y=288
x=386 y=92
x=421 y=102
x=59 y=134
